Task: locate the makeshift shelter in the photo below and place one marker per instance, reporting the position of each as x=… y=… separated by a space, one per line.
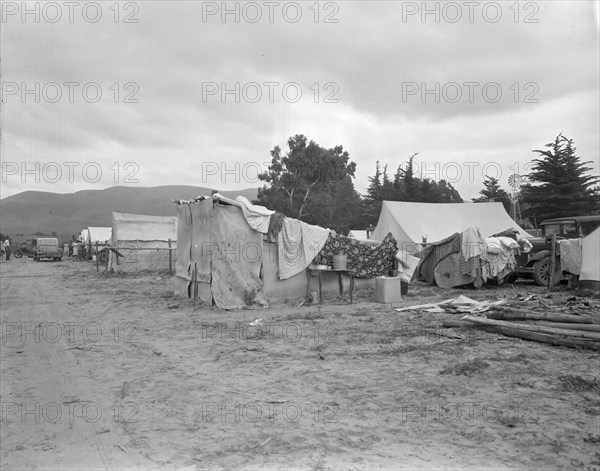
x=413 y=224
x=229 y=254
x=589 y=274
x=467 y=257
x=142 y=242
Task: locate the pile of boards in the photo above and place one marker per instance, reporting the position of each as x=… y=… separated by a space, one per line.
x=556 y=328
x=571 y=329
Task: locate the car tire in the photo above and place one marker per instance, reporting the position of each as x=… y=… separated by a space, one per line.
x=540 y=272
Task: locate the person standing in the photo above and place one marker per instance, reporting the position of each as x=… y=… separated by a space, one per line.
x=7 y=249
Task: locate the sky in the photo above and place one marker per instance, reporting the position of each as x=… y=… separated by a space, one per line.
x=149 y=93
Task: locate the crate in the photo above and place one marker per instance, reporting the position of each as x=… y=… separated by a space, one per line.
x=388 y=289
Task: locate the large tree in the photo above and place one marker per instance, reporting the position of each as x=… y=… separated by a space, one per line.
x=304 y=182
x=493 y=192
x=560 y=184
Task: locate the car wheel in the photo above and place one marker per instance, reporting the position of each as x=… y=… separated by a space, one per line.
x=541 y=272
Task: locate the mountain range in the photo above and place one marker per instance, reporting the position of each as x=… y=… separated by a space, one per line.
x=39 y=213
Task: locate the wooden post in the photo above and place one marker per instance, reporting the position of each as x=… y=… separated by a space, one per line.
x=320 y=289
x=96 y=256
x=170 y=260
x=308 y=283
x=552 y=263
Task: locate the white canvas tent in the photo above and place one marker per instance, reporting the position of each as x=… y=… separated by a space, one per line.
x=589 y=276
x=412 y=223
x=143 y=242
x=84 y=236
x=358 y=234
x=102 y=235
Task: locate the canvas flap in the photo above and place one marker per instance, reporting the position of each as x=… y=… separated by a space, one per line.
x=236 y=254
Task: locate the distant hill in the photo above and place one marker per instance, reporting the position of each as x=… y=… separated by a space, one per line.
x=30 y=212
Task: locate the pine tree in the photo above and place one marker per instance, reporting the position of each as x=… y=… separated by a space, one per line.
x=493 y=192
x=374 y=190
x=559 y=185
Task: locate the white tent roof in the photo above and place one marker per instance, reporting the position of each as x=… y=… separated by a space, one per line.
x=143 y=228
x=358 y=234
x=590 y=257
x=99 y=234
x=410 y=222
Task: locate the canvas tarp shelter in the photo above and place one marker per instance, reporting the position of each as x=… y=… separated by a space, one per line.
x=589 y=276
x=84 y=236
x=411 y=223
x=222 y=260
x=143 y=242
x=219 y=256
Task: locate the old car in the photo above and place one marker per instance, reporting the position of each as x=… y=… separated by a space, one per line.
x=536 y=262
x=47 y=248
x=26 y=248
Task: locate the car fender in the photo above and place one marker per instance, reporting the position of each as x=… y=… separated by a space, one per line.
x=539 y=255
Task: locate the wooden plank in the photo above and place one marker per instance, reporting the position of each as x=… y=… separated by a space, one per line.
x=533 y=328
x=547 y=338
x=508 y=313
x=566 y=325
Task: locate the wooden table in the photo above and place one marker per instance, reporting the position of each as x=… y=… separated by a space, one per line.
x=341 y=285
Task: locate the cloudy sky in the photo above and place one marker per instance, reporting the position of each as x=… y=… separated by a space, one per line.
x=154 y=93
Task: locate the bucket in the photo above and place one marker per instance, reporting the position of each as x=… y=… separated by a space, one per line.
x=340 y=261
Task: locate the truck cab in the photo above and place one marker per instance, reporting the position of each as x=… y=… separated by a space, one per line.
x=536 y=262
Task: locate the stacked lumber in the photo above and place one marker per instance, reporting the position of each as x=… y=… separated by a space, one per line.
x=555 y=328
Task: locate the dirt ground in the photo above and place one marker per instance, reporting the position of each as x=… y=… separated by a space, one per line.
x=103 y=371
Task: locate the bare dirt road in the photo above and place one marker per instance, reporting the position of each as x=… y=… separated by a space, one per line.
x=112 y=372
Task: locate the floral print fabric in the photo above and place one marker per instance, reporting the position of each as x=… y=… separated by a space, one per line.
x=364 y=260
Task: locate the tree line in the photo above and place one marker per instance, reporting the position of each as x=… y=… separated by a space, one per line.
x=315 y=184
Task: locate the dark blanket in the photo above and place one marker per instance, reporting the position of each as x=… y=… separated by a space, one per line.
x=364 y=260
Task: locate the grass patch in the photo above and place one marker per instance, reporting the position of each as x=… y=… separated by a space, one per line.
x=579 y=383
x=467 y=368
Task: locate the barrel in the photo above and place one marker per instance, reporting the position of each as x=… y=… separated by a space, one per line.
x=340 y=261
